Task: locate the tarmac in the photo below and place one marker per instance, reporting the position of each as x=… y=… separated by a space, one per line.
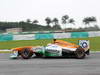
x=50 y=66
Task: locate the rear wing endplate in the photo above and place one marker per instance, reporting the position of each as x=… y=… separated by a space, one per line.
x=84 y=44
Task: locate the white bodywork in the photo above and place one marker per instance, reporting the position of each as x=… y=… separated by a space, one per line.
x=14 y=54
x=58 y=48
x=55 y=48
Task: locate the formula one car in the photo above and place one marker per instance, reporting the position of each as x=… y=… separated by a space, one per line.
x=58 y=48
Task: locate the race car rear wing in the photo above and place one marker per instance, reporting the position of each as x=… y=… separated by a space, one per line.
x=85 y=44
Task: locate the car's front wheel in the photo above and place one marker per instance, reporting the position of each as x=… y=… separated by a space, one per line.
x=26 y=53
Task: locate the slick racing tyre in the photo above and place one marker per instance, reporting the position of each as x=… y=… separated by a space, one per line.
x=26 y=53
x=80 y=53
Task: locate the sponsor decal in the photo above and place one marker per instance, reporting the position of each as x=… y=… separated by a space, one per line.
x=37 y=49
x=84 y=44
x=52 y=51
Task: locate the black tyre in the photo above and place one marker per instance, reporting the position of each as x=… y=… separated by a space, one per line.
x=80 y=53
x=26 y=53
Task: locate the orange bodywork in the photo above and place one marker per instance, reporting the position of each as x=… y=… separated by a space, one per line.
x=58 y=42
x=65 y=44
x=21 y=48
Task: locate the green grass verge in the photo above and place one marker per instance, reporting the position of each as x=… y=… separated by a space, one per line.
x=94 y=43
x=3 y=51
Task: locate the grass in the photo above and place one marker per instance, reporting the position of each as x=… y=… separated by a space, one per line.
x=94 y=43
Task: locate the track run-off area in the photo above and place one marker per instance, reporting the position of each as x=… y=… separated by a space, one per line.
x=50 y=66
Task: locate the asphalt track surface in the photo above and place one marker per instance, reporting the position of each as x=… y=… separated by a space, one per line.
x=50 y=66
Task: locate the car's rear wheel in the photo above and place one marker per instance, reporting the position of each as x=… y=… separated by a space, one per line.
x=26 y=53
x=80 y=53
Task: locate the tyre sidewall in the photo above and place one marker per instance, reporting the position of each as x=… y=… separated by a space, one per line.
x=80 y=53
x=26 y=53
